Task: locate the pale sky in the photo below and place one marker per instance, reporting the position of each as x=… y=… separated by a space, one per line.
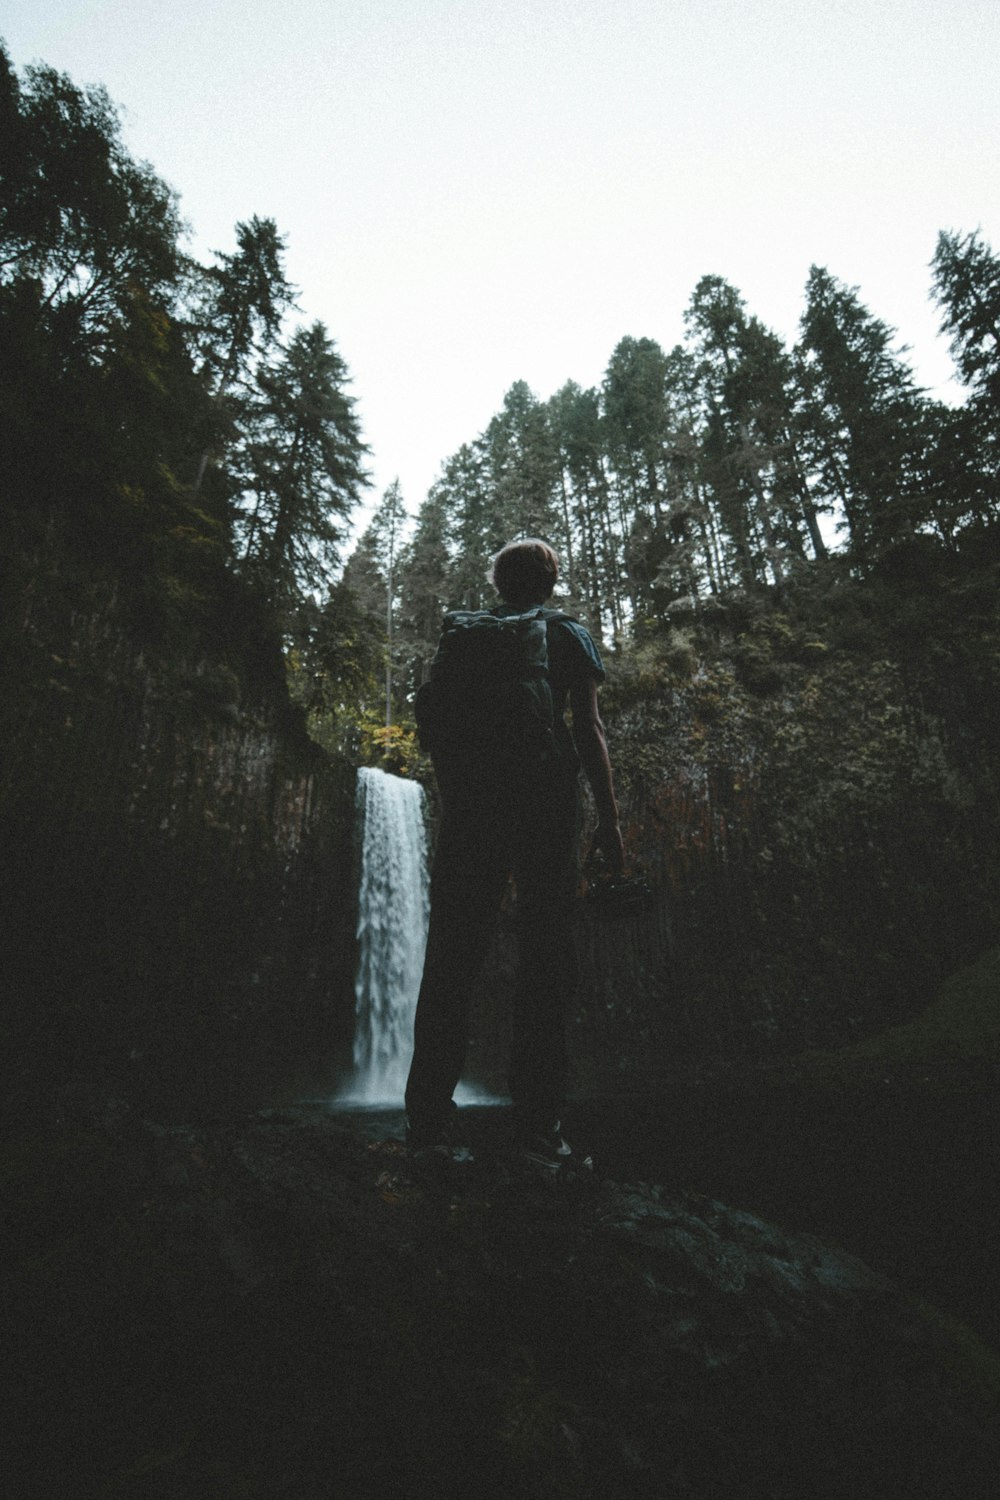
x=478 y=193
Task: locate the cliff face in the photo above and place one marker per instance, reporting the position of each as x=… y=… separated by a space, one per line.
x=813 y=794
x=178 y=926
x=820 y=857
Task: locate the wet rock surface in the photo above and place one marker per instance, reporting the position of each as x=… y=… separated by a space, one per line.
x=289 y=1305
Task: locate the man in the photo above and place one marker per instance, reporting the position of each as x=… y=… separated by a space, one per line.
x=495 y=825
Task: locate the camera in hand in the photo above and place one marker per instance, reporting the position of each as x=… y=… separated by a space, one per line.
x=614 y=895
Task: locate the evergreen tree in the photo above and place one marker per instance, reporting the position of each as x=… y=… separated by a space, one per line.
x=966 y=287
x=692 y=558
x=239 y=305
x=520 y=468
x=374 y=577
x=100 y=405
x=594 y=563
x=864 y=417
x=425 y=588
x=746 y=374
x=636 y=421
x=237 y=310
x=336 y=667
x=371 y=570
x=464 y=492
x=90 y=360
x=957 y=479
x=82 y=224
x=302 y=467
x=425 y=569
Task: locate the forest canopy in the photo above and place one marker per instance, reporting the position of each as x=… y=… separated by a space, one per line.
x=175 y=420
x=161 y=410
x=728 y=467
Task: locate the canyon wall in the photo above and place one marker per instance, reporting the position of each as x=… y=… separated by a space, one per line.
x=179 y=909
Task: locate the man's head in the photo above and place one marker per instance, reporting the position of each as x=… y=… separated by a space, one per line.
x=525 y=572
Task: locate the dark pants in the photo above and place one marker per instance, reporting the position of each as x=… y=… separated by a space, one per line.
x=488 y=834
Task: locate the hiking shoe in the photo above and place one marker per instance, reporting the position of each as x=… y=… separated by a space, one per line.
x=440 y=1142
x=551 y=1152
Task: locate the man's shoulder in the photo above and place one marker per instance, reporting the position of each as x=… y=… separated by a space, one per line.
x=571 y=642
x=578 y=643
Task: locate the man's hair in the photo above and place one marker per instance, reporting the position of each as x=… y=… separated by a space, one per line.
x=525 y=571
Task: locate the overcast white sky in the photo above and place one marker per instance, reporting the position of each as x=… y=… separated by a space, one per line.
x=477 y=193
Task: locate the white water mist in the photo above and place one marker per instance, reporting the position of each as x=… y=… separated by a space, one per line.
x=393 y=907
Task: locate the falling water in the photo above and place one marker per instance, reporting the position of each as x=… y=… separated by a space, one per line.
x=393 y=905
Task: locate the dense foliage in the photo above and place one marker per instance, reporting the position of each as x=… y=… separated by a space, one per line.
x=153 y=411
x=729 y=468
x=161 y=413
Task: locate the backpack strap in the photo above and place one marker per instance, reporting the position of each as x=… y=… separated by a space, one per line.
x=540 y=611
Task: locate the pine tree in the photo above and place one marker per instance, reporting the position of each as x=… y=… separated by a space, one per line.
x=966 y=287
x=374 y=577
x=864 y=417
x=238 y=306
x=636 y=422
x=520 y=467
x=635 y=417
x=246 y=299
x=425 y=588
x=752 y=443
x=337 y=666
x=692 y=559
x=98 y=396
x=957 y=480
x=466 y=497
x=302 y=469
x=81 y=222
x=593 y=569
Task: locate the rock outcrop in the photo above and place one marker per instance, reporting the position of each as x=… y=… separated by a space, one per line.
x=288 y=1306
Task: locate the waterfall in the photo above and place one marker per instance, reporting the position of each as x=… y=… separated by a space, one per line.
x=393 y=905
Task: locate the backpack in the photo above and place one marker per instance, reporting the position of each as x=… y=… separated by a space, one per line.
x=488 y=705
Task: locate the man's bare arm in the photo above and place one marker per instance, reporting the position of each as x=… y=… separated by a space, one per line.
x=592 y=748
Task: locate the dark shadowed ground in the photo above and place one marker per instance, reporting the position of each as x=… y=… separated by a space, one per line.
x=284 y=1305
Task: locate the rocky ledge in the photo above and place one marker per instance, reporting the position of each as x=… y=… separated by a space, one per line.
x=287 y=1306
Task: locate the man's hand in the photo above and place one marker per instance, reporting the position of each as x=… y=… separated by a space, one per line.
x=608 y=843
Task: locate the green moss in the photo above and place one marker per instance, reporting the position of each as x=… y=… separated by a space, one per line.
x=973 y=1364
x=961 y=1026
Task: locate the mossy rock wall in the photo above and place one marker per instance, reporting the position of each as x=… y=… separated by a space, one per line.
x=178 y=926
x=813 y=794
x=820 y=825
